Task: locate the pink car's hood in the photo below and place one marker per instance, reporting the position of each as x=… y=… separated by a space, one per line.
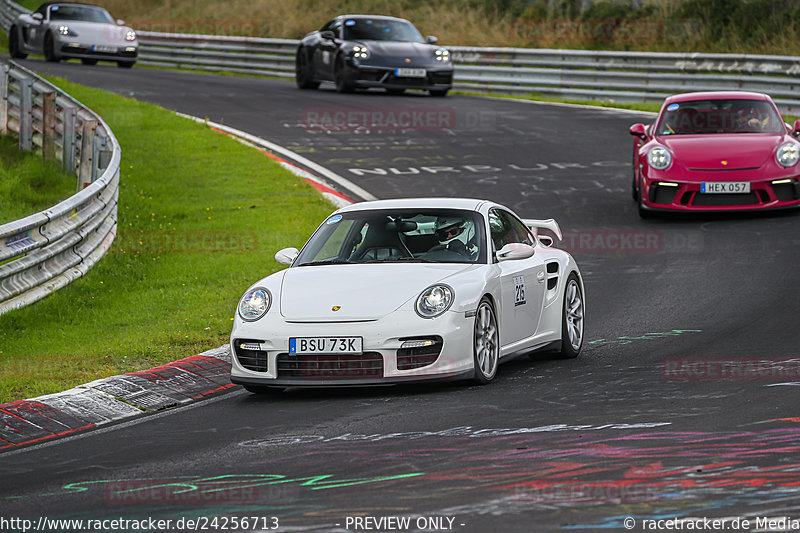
x=724 y=151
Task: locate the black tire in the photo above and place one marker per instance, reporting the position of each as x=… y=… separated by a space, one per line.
x=13 y=44
x=485 y=336
x=396 y=92
x=303 y=73
x=125 y=64
x=643 y=212
x=49 y=49
x=569 y=347
x=88 y=61
x=343 y=82
x=439 y=92
x=264 y=391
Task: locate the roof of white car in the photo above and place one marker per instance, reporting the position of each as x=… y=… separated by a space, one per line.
x=417 y=203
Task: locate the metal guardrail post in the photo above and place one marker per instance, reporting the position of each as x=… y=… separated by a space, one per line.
x=86 y=165
x=69 y=121
x=49 y=126
x=4 y=101
x=26 y=115
x=100 y=155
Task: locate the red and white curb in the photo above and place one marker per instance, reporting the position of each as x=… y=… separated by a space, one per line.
x=114 y=399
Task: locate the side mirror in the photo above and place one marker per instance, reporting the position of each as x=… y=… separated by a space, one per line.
x=431 y=39
x=120 y=22
x=38 y=16
x=796 y=129
x=514 y=251
x=328 y=35
x=287 y=256
x=638 y=130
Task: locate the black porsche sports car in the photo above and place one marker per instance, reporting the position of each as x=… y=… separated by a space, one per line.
x=363 y=51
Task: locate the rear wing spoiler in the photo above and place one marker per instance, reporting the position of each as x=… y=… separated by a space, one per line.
x=550 y=224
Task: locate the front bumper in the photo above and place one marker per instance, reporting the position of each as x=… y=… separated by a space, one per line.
x=383 y=359
x=88 y=51
x=665 y=194
x=367 y=76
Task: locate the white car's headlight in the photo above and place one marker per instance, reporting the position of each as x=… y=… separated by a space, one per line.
x=435 y=300
x=659 y=157
x=442 y=54
x=130 y=35
x=254 y=304
x=64 y=30
x=360 y=52
x=788 y=154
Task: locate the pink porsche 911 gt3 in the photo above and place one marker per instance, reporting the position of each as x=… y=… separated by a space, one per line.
x=716 y=151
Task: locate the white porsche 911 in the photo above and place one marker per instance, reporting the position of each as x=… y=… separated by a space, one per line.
x=409 y=290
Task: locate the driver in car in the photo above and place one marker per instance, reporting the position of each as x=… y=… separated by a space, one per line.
x=454 y=234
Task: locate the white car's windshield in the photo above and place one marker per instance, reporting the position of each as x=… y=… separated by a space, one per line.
x=724 y=115
x=403 y=235
x=360 y=29
x=80 y=13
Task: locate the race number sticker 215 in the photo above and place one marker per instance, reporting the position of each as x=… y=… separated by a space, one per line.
x=519 y=290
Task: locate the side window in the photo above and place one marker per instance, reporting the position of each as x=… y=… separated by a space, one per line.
x=507 y=228
x=328 y=26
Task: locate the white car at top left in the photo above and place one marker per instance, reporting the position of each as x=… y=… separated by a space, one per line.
x=64 y=30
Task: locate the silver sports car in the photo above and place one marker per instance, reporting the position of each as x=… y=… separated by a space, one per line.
x=63 y=30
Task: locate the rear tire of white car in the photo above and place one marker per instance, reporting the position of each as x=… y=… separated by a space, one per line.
x=13 y=44
x=485 y=343
x=50 y=49
x=572 y=319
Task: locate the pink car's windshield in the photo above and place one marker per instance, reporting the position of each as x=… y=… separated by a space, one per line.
x=719 y=116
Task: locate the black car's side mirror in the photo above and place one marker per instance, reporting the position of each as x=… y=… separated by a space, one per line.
x=431 y=39
x=327 y=35
x=796 y=129
x=637 y=130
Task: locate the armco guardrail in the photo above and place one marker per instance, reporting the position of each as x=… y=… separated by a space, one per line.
x=578 y=74
x=43 y=252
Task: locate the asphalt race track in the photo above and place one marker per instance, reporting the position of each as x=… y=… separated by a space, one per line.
x=683 y=404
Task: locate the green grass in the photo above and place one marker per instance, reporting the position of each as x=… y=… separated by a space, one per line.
x=28 y=184
x=164 y=292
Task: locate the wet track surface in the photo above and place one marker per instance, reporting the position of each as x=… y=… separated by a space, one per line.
x=684 y=402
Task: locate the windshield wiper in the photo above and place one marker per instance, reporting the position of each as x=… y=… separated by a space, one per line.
x=401 y=260
x=326 y=262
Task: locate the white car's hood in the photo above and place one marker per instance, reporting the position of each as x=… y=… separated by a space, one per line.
x=362 y=292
